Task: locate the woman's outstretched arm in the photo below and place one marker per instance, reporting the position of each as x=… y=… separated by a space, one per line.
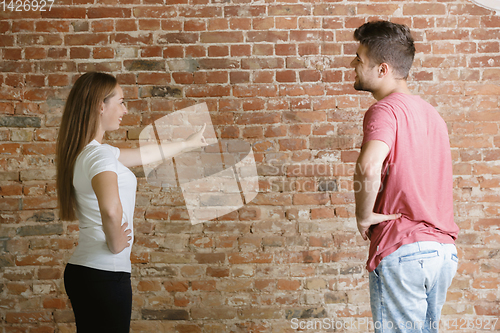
x=153 y=153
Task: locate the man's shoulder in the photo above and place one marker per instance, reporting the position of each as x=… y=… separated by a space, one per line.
x=397 y=102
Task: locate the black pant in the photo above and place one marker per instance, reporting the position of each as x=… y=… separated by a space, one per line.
x=101 y=300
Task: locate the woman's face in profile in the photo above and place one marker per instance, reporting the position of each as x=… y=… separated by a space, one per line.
x=113 y=110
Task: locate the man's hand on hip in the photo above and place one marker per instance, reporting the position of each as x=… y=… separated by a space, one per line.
x=373 y=219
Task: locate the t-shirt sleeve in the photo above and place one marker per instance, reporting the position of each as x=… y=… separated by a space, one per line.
x=115 y=150
x=101 y=158
x=379 y=124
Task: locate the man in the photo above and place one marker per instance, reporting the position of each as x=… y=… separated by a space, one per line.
x=403 y=187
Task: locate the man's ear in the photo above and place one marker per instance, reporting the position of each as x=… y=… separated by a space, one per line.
x=383 y=69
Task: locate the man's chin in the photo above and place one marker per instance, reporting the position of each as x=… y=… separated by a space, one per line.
x=360 y=87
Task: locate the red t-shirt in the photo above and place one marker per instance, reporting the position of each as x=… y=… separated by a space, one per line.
x=417 y=176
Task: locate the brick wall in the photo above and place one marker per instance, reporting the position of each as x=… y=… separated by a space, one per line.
x=277 y=75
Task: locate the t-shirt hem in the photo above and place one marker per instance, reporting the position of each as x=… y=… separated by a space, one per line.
x=101 y=267
x=372 y=263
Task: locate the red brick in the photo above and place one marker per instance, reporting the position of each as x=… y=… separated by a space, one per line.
x=207 y=11
x=311 y=198
x=286 y=49
x=107 y=12
x=210 y=258
x=288 y=284
x=468 y=9
x=253 y=104
x=208 y=91
x=286 y=23
x=218 y=51
x=286 y=76
x=5 y=26
x=154 y=11
x=58 y=80
x=28 y=317
x=177 y=286
x=253 y=132
x=39 y=149
x=240 y=50
x=308 y=49
x=310 y=76
x=418 y=9
x=198 y=52
x=57 y=53
x=289 y=10
x=103 y=53
x=37 y=260
x=125 y=25
x=39 y=202
x=194 y=25
x=79 y=53
x=54 y=303
x=183 y=78
x=217 y=77
x=217 y=272
x=6 y=41
x=12 y=54
x=173 y=52
x=262 y=49
x=292 y=144
x=147 y=24
x=249 y=257
x=132 y=39
x=103 y=26
x=240 y=23
x=203 y=285
x=85 y=39
x=10 y=148
x=39 y=39
x=255 y=90
x=244 y=11
x=65 y=12
x=239 y=77
x=171 y=25
x=151 y=51
x=216 y=24
x=216 y=37
x=52 y=26
x=149 y=286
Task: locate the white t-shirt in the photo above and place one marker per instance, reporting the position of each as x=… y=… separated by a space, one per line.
x=92 y=250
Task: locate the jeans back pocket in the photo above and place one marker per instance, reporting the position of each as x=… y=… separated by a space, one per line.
x=421 y=255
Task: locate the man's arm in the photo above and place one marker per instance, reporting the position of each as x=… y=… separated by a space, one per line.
x=367 y=179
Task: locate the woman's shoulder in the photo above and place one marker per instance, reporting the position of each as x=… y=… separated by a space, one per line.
x=95 y=148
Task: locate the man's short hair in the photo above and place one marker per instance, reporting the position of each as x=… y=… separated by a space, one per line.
x=389 y=43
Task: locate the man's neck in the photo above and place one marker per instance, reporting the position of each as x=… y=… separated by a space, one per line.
x=398 y=86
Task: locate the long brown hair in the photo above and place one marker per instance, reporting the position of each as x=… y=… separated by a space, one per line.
x=79 y=126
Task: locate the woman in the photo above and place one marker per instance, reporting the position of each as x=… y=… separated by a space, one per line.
x=96 y=187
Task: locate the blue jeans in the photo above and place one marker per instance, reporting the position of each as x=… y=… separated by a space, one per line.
x=408 y=287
